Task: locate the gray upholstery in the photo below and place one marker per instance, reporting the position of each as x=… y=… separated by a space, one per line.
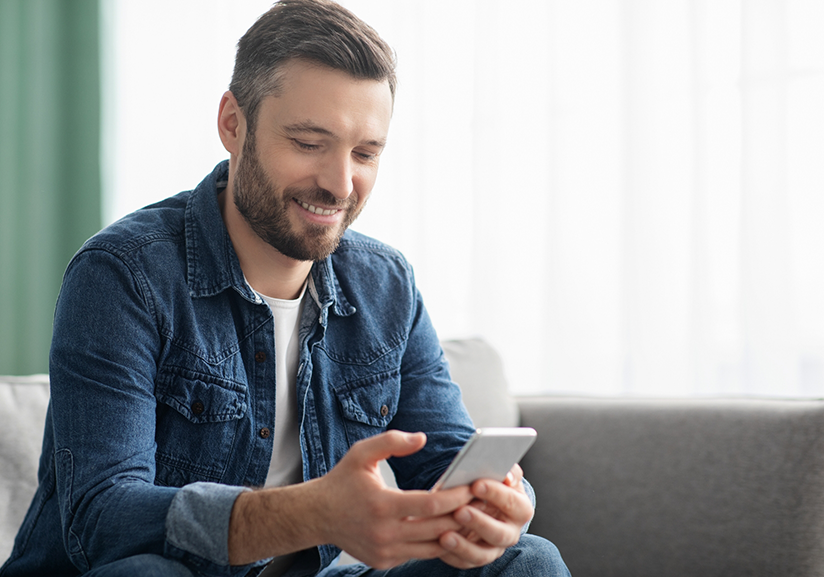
x=680 y=488
x=626 y=488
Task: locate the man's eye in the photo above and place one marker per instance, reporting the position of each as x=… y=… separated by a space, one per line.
x=366 y=155
x=305 y=145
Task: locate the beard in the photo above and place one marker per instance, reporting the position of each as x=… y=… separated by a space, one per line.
x=266 y=210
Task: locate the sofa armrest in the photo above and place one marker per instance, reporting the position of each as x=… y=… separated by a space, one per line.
x=679 y=488
x=23 y=403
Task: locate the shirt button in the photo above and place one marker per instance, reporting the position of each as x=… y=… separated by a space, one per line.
x=265 y=432
x=198 y=408
x=384 y=411
x=260 y=356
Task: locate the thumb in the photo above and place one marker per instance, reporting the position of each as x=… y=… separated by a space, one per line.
x=388 y=444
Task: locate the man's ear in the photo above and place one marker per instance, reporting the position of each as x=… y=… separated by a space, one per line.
x=231 y=124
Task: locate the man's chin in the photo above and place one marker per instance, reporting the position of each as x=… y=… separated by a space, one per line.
x=308 y=249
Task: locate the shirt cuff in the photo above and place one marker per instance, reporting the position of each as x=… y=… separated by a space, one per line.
x=530 y=492
x=197 y=525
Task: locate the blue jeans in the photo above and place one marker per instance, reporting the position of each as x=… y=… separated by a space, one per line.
x=531 y=557
x=142 y=565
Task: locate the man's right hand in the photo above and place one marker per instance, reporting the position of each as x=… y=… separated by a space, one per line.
x=351 y=507
x=382 y=526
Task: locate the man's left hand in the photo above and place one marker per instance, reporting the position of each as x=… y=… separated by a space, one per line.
x=491 y=523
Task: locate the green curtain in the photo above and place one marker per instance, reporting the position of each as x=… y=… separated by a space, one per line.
x=49 y=164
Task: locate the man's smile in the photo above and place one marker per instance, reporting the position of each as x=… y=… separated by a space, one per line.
x=317 y=210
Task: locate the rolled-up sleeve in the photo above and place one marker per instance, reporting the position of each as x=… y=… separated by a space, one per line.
x=197 y=525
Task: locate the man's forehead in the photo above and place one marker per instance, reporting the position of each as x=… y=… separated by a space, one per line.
x=324 y=101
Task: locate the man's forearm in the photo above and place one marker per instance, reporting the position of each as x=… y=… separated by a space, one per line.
x=277 y=521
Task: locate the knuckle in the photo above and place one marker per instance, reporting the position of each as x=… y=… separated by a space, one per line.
x=460 y=563
x=491 y=555
x=509 y=504
x=431 y=552
x=476 y=559
x=522 y=511
x=505 y=538
x=515 y=506
x=530 y=513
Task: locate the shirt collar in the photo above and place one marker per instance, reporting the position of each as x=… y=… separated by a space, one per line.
x=213 y=265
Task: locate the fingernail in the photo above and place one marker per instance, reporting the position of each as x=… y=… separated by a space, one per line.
x=463 y=516
x=481 y=489
x=450 y=542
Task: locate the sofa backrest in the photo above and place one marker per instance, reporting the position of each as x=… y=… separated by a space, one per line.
x=477 y=368
x=679 y=488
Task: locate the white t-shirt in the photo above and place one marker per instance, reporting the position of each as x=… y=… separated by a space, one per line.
x=286 y=466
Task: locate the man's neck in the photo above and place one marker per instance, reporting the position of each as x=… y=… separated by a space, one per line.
x=267 y=270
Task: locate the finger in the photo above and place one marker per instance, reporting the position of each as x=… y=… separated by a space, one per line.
x=419 y=530
x=486 y=507
x=512 y=503
x=387 y=444
x=424 y=550
x=394 y=556
x=464 y=554
x=514 y=476
x=499 y=533
x=427 y=504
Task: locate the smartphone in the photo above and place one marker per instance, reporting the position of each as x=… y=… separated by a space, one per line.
x=488 y=454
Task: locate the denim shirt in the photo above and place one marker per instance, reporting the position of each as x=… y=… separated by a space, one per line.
x=163 y=394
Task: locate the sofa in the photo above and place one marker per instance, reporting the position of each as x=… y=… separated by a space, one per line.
x=625 y=487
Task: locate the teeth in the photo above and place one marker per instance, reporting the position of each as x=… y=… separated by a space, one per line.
x=315 y=210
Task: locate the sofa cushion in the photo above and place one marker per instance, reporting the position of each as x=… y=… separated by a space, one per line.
x=23 y=404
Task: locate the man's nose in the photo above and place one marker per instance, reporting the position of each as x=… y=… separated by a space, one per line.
x=336 y=177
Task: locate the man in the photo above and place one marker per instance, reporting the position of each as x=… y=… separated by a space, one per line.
x=237 y=336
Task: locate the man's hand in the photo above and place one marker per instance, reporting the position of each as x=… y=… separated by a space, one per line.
x=490 y=523
x=353 y=508
x=380 y=526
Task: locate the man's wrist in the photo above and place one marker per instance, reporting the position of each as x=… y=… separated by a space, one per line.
x=271 y=522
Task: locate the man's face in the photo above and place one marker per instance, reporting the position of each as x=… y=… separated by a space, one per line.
x=306 y=172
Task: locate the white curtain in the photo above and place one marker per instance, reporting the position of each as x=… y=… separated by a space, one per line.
x=624 y=197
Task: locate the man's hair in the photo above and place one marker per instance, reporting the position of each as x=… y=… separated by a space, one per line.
x=318 y=31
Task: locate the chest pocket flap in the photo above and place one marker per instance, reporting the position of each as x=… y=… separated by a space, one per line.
x=371 y=401
x=202 y=398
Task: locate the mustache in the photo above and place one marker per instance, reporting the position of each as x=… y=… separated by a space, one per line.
x=321 y=196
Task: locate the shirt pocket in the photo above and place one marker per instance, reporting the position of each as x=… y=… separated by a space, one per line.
x=368 y=404
x=198 y=419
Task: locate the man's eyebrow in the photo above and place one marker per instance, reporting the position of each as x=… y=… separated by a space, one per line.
x=309 y=127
